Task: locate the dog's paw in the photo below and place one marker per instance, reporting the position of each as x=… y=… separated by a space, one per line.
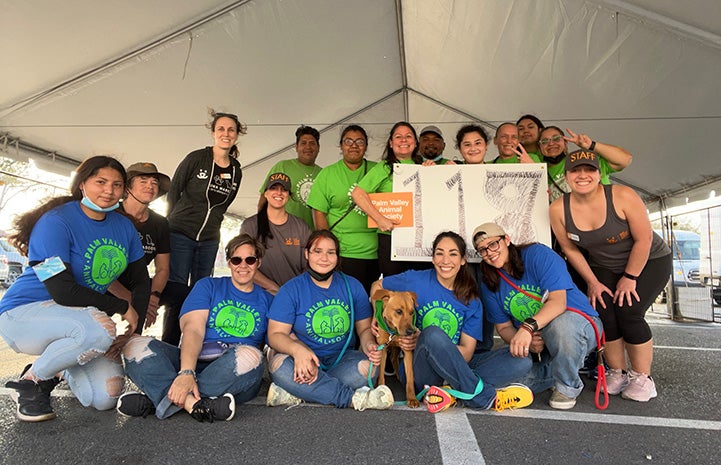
x=412 y=402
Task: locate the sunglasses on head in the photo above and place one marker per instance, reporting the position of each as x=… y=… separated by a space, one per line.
x=235 y=261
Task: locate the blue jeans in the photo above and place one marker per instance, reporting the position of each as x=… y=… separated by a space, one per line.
x=190 y=259
x=568 y=339
x=437 y=360
x=153 y=366
x=499 y=368
x=70 y=340
x=333 y=387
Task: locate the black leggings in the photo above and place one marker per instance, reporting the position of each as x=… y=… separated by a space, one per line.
x=628 y=322
x=364 y=270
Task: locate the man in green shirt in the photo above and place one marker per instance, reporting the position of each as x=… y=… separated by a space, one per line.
x=509 y=150
x=302 y=172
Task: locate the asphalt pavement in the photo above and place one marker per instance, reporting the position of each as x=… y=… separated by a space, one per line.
x=681 y=426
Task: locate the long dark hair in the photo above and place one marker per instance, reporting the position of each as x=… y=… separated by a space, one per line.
x=390 y=157
x=464 y=286
x=263 y=232
x=242 y=128
x=25 y=223
x=489 y=274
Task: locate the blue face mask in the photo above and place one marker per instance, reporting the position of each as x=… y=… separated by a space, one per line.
x=88 y=203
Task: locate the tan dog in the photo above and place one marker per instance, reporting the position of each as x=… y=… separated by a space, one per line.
x=398 y=315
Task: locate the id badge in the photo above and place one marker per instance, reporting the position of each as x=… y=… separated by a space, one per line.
x=48 y=268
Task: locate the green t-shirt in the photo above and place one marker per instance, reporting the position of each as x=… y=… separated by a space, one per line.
x=301 y=179
x=557 y=185
x=331 y=194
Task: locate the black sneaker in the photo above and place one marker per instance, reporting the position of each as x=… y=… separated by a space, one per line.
x=214 y=408
x=33 y=399
x=135 y=404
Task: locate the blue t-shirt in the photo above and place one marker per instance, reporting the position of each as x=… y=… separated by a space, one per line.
x=545 y=271
x=234 y=317
x=438 y=306
x=321 y=317
x=97 y=251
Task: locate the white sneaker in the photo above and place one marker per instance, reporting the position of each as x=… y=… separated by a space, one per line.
x=641 y=387
x=616 y=381
x=380 y=398
x=279 y=396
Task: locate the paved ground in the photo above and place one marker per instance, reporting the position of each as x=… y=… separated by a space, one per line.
x=681 y=426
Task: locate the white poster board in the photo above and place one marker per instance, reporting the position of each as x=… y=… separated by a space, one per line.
x=461 y=197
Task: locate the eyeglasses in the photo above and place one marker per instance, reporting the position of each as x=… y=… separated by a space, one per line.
x=359 y=142
x=250 y=261
x=491 y=247
x=547 y=140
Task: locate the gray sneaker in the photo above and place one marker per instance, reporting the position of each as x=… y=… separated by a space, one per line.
x=380 y=398
x=278 y=396
x=561 y=401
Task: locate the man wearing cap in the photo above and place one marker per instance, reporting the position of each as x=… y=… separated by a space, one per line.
x=431 y=146
x=283 y=235
x=302 y=172
x=146 y=184
x=509 y=150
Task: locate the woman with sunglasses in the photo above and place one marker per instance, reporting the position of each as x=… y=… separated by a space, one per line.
x=554 y=147
x=219 y=363
x=203 y=187
x=282 y=234
x=450 y=320
x=310 y=330
x=58 y=310
x=526 y=290
x=401 y=147
x=628 y=265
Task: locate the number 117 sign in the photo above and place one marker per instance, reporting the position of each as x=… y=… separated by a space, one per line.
x=461 y=197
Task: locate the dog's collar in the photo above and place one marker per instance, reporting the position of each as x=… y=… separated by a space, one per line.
x=382 y=322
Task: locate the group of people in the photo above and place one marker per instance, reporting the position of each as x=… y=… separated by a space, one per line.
x=303 y=268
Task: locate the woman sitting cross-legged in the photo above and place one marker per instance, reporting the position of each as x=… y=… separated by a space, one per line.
x=450 y=316
x=310 y=325
x=223 y=323
x=526 y=289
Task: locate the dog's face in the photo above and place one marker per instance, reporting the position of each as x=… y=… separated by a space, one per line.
x=399 y=309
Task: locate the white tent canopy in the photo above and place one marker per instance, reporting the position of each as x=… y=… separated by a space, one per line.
x=134 y=79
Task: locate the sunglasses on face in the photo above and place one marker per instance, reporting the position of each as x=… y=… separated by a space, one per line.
x=250 y=261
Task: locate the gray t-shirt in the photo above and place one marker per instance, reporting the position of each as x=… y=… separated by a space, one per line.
x=284 y=258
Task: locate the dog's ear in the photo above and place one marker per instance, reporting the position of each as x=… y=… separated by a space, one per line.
x=414 y=296
x=381 y=294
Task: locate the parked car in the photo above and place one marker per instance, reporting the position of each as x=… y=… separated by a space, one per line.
x=685 y=246
x=16 y=262
x=4 y=269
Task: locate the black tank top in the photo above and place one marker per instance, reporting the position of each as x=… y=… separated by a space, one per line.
x=610 y=245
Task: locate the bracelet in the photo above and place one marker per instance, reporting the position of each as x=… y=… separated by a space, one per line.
x=630 y=276
x=188 y=372
x=156 y=294
x=527 y=327
x=592 y=146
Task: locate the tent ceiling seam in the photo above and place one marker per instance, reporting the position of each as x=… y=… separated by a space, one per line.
x=39 y=96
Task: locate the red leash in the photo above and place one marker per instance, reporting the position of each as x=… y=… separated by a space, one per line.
x=600 y=346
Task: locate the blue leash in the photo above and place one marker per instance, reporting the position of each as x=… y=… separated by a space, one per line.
x=350 y=326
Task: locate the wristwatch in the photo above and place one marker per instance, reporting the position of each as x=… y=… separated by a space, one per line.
x=532 y=323
x=156 y=294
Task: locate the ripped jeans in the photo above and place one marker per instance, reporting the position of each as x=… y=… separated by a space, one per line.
x=71 y=340
x=153 y=365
